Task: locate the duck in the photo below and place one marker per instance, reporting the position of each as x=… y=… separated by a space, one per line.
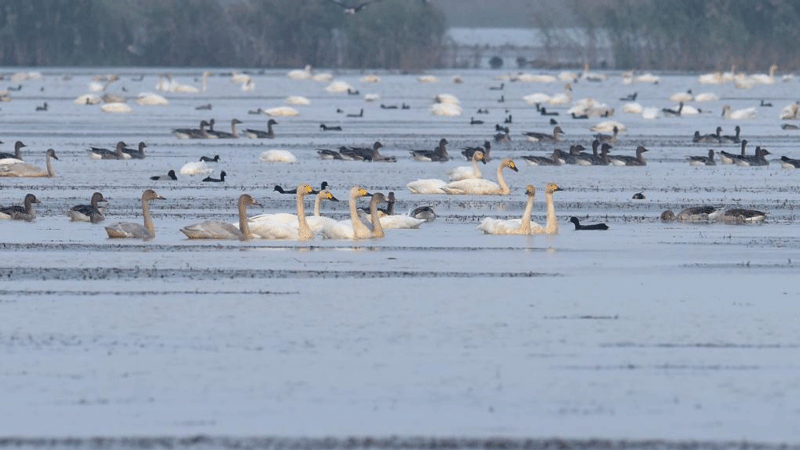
x=17 y=152
x=437 y=155
x=315 y=222
x=224 y=135
x=730 y=158
x=742 y=216
x=136 y=154
x=482 y=186
x=739 y=114
x=607 y=138
x=638 y=196
x=789 y=163
x=259 y=134
x=668 y=112
x=195 y=168
x=25 y=213
x=693 y=214
x=765 y=104
x=638 y=160
x=424 y=212
x=703 y=160
x=208 y=159
x=281 y=190
x=578 y=226
x=533 y=136
x=472 y=121
x=296 y=231
x=221 y=178
x=278 y=156
x=103 y=153
x=728 y=139
x=789 y=126
x=467 y=172
x=360 y=114
x=486 y=149
x=324 y=127
x=543 y=160
x=354 y=228
x=88 y=213
x=194 y=133
x=170 y=176
x=754 y=160
x=29 y=170
x=134 y=230
x=220 y=230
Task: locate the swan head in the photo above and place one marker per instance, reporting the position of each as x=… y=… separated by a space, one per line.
x=508 y=162
x=552 y=187
x=51 y=153
x=377 y=198
x=327 y=195
x=304 y=189
x=151 y=195
x=235 y=122
x=479 y=156
x=358 y=191
x=530 y=190
x=247 y=200
x=667 y=216
x=30 y=198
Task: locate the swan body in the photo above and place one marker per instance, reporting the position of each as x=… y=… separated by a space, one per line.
x=482 y=186
x=537 y=97
x=761 y=78
x=535 y=78
x=467 y=172
x=278 y=156
x=88 y=213
x=650 y=113
x=706 y=97
x=196 y=168
x=427 y=79
x=524 y=225
x=116 y=108
x=284 y=111
x=446 y=109
x=221 y=230
x=447 y=98
x=790 y=111
x=397 y=221
x=739 y=114
x=135 y=230
x=710 y=78
x=608 y=126
x=322 y=77
x=648 y=78
x=298 y=74
x=297 y=100
x=353 y=228
x=24 y=170
x=682 y=96
x=632 y=108
x=315 y=222
x=88 y=99
x=427 y=186
x=338 y=87
x=148 y=98
x=297 y=231
x=370 y=79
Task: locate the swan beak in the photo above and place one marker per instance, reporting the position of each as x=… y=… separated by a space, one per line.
x=513 y=167
x=332 y=198
x=160 y=197
x=55 y=157
x=557 y=189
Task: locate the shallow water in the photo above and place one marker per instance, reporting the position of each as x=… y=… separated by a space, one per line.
x=646 y=331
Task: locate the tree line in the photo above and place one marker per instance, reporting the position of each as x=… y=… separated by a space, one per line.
x=392 y=34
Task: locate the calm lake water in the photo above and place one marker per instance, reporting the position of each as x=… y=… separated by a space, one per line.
x=649 y=330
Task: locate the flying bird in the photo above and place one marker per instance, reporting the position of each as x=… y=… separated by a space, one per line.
x=353 y=9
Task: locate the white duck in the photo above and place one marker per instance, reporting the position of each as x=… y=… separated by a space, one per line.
x=482 y=186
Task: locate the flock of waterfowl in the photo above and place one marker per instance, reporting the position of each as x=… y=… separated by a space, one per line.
x=371 y=222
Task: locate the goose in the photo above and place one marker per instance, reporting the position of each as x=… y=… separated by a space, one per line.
x=739 y=114
x=424 y=212
x=354 y=228
x=703 y=160
x=283 y=111
x=754 y=160
x=328 y=154
x=134 y=230
x=707 y=138
x=607 y=138
x=17 y=152
x=730 y=158
x=150 y=99
x=789 y=126
x=630 y=97
x=638 y=196
x=742 y=216
x=136 y=154
x=365 y=153
x=278 y=156
x=682 y=96
x=220 y=230
x=221 y=178
x=595 y=158
x=482 y=186
x=439 y=154
x=194 y=133
x=466 y=172
x=578 y=117
x=486 y=149
x=297 y=231
x=208 y=159
x=497 y=88
x=503 y=136
x=523 y=225
x=88 y=213
x=508 y=119
x=533 y=136
x=578 y=226
x=281 y=190
x=170 y=176
x=195 y=168
x=706 y=97
x=25 y=213
x=693 y=214
x=561 y=157
x=638 y=160
x=103 y=153
x=789 y=163
x=259 y=134
x=224 y=135
x=730 y=139
x=673 y=112
x=543 y=160
x=324 y=127
x=315 y=222
x=28 y=170
x=389 y=106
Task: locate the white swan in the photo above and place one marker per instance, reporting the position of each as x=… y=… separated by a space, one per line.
x=116 y=108
x=739 y=114
x=706 y=97
x=150 y=99
x=467 y=172
x=323 y=77
x=196 y=168
x=482 y=186
x=88 y=99
x=297 y=74
x=761 y=78
x=297 y=100
x=562 y=98
x=239 y=78
x=608 y=126
x=371 y=97
x=26 y=170
x=220 y=230
x=710 y=78
x=298 y=231
x=315 y=222
x=537 y=97
x=524 y=225
x=349 y=229
x=648 y=78
x=427 y=186
x=650 y=113
x=339 y=87
x=285 y=111
x=278 y=156
x=790 y=111
x=531 y=78
x=446 y=109
x=682 y=96
x=134 y=230
x=427 y=79
x=632 y=108
x=370 y=79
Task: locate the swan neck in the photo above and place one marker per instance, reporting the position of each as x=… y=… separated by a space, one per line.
x=48 y=163
x=305 y=230
x=525 y=226
x=360 y=231
x=377 y=229
x=504 y=189
x=233 y=130
x=317 y=204
x=475 y=170
x=148 y=221
x=552 y=222
x=243 y=225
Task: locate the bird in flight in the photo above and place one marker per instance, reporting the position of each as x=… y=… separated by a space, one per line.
x=353 y=9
